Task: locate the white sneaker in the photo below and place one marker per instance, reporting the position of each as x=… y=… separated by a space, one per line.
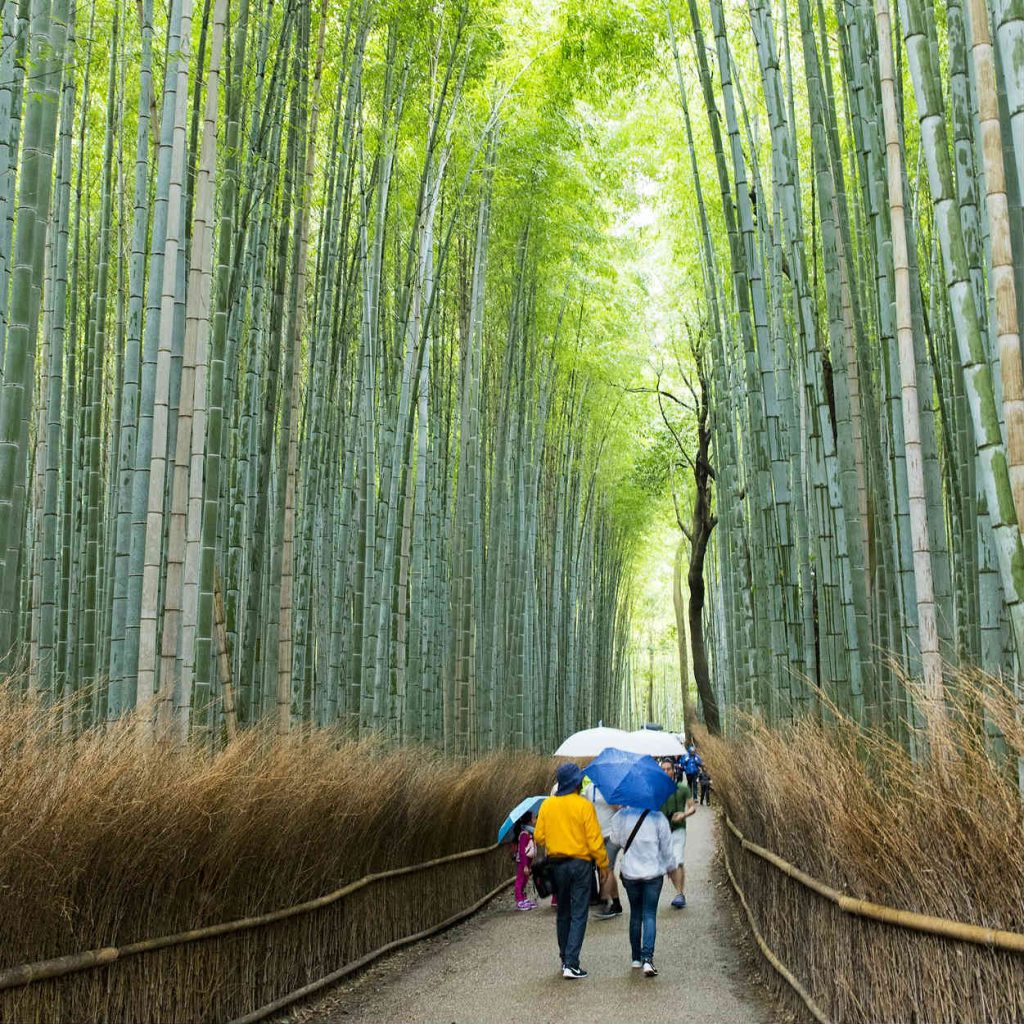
x=573 y=972
x=650 y=971
x=637 y=963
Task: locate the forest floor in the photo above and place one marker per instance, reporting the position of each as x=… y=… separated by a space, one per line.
x=501 y=966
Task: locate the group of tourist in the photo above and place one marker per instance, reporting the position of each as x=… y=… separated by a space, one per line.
x=580 y=831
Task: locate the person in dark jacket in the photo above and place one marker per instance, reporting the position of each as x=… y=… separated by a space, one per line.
x=692 y=765
x=704 y=781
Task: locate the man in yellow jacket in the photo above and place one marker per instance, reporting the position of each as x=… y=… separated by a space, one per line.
x=567 y=828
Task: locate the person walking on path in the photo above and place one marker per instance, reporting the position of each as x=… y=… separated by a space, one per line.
x=568 y=830
x=646 y=842
x=704 y=780
x=611 y=906
x=692 y=765
x=525 y=850
x=677 y=808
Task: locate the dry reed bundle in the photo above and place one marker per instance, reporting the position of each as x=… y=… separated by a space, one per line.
x=939 y=836
x=104 y=843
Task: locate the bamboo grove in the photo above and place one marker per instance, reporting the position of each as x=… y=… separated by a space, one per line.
x=292 y=429
x=859 y=218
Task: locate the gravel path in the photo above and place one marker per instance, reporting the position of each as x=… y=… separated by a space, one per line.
x=502 y=966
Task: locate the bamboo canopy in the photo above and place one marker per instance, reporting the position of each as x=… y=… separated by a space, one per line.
x=295 y=424
x=860 y=353
x=323 y=323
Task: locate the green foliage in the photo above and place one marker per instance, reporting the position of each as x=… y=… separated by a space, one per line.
x=607 y=47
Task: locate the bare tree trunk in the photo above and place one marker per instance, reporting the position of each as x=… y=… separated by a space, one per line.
x=702 y=524
x=701 y=528
x=679 y=604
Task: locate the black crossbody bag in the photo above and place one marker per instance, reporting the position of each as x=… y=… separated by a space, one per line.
x=540 y=870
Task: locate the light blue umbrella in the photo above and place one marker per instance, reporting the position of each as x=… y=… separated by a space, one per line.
x=630 y=780
x=527 y=806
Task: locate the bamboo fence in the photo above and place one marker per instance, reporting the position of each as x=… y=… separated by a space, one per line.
x=943 y=928
x=182 y=986
x=769 y=954
x=995 y=938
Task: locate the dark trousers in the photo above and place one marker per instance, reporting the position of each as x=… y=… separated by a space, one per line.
x=691 y=781
x=705 y=793
x=572 y=887
x=643 y=896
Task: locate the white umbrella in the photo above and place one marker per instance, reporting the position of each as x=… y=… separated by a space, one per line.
x=590 y=742
x=651 y=741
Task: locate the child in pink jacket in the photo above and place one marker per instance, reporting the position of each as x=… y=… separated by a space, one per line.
x=525 y=851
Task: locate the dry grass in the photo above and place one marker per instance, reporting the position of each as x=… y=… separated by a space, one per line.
x=102 y=843
x=944 y=836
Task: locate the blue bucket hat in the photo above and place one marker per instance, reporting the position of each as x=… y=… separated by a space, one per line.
x=568 y=777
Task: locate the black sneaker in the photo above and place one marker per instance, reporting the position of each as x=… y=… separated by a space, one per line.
x=609 y=910
x=573 y=972
x=650 y=971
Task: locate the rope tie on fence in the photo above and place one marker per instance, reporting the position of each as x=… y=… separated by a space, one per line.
x=994 y=938
x=40 y=970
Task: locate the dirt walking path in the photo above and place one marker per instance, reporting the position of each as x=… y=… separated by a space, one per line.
x=502 y=966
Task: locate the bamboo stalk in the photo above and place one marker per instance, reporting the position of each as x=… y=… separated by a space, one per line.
x=928 y=639
x=224 y=663
x=1002 y=255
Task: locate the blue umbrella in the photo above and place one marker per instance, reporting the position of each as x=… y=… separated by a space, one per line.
x=632 y=780
x=527 y=806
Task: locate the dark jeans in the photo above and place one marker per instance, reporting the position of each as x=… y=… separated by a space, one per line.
x=705 y=793
x=691 y=781
x=643 y=896
x=572 y=887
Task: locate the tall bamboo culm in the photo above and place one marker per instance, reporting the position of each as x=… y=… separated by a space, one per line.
x=255 y=464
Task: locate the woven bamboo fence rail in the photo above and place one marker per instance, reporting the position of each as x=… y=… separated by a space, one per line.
x=944 y=928
x=321 y=983
x=787 y=975
x=994 y=938
x=50 y=971
x=26 y=974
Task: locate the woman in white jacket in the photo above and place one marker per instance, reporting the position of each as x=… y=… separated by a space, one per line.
x=646 y=843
